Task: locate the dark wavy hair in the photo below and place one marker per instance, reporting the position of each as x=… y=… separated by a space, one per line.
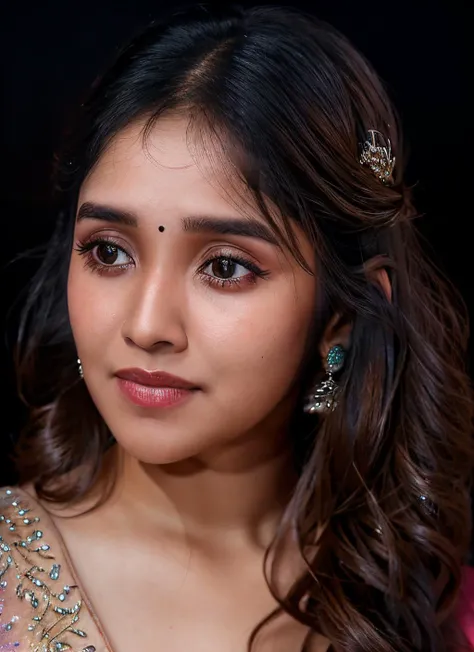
x=288 y=101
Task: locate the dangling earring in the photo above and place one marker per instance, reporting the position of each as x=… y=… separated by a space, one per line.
x=79 y=368
x=322 y=398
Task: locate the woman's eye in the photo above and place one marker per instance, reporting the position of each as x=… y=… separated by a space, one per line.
x=225 y=268
x=109 y=254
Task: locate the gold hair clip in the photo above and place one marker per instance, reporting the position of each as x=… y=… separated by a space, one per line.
x=378 y=156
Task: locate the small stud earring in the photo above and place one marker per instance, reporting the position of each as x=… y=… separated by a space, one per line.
x=79 y=368
x=322 y=398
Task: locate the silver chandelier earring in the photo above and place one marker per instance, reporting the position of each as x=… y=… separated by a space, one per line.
x=79 y=368
x=322 y=398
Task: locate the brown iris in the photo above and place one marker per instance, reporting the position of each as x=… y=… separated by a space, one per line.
x=223 y=268
x=107 y=253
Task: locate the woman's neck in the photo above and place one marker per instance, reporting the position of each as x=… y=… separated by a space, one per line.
x=235 y=494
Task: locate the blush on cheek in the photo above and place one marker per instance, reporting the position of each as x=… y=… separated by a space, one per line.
x=266 y=351
x=91 y=310
x=75 y=296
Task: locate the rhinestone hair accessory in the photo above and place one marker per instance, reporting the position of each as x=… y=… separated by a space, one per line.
x=377 y=155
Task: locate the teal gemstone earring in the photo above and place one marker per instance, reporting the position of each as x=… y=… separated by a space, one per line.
x=322 y=398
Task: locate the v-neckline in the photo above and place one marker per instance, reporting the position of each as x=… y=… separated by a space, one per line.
x=83 y=593
x=87 y=601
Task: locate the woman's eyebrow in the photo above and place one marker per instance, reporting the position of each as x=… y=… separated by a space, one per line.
x=192 y=224
x=229 y=226
x=92 y=211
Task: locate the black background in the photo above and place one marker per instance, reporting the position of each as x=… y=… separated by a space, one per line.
x=52 y=53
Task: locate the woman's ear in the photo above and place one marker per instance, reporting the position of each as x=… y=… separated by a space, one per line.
x=377 y=274
x=339 y=328
x=380 y=277
x=338 y=331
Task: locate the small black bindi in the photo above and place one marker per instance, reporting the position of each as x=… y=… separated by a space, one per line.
x=161 y=229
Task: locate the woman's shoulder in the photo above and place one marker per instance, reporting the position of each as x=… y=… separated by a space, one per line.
x=40 y=602
x=38 y=592
x=466 y=604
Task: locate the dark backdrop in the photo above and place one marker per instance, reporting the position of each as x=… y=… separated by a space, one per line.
x=52 y=53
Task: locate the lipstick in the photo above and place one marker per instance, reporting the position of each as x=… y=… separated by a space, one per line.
x=154 y=389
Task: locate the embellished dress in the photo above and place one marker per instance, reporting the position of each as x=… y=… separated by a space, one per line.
x=41 y=606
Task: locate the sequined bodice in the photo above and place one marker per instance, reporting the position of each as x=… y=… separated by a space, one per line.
x=41 y=608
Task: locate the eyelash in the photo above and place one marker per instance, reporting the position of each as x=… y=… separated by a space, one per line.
x=86 y=249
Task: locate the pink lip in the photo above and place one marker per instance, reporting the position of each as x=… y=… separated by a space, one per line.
x=153 y=388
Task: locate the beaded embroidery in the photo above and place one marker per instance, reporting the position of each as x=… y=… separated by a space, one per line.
x=24 y=557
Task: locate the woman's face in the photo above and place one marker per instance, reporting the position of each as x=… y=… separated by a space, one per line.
x=167 y=276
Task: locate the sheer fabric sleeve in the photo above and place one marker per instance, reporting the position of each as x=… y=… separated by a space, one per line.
x=41 y=609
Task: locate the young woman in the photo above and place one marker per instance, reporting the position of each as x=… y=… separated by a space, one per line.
x=250 y=419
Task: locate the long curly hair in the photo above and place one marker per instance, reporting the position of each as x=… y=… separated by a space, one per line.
x=381 y=510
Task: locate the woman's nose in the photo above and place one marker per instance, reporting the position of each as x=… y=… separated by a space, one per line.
x=155 y=315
